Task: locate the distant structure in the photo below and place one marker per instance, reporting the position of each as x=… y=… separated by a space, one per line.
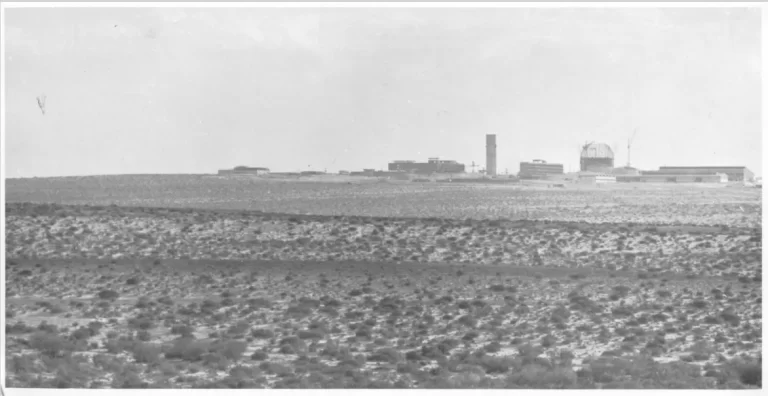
x=662 y=177
x=245 y=170
x=433 y=165
x=596 y=157
x=625 y=171
x=490 y=155
x=735 y=173
x=539 y=169
x=596 y=178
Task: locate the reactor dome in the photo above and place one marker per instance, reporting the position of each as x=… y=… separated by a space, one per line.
x=596 y=150
x=596 y=157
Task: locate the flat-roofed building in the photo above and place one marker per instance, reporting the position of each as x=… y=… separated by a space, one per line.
x=539 y=169
x=433 y=165
x=735 y=173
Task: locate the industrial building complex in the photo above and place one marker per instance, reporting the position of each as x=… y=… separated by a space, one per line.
x=596 y=166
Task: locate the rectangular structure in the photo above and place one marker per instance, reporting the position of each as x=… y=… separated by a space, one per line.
x=735 y=173
x=490 y=155
x=244 y=170
x=433 y=165
x=596 y=179
x=538 y=169
x=656 y=177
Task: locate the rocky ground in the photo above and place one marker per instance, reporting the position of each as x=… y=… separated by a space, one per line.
x=114 y=233
x=139 y=297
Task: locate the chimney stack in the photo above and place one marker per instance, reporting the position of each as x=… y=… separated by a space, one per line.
x=490 y=155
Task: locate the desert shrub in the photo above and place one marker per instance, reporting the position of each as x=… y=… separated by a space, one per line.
x=108 y=295
x=363 y=332
x=18 y=328
x=311 y=334
x=165 y=300
x=187 y=349
x=751 y=374
x=142 y=323
x=128 y=381
x=298 y=311
x=259 y=356
x=143 y=335
x=21 y=364
x=540 y=377
x=238 y=328
x=262 y=333
x=496 y=365
x=700 y=304
x=622 y=311
x=232 y=350
x=547 y=341
x=82 y=333
x=388 y=355
x=467 y=320
x=49 y=344
x=260 y=303
x=146 y=353
x=730 y=318
x=413 y=355
x=492 y=347
x=181 y=330
x=294 y=342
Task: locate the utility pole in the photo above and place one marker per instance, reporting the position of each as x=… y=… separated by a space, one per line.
x=473 y=166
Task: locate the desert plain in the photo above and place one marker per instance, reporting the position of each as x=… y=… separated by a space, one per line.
x=199 y=281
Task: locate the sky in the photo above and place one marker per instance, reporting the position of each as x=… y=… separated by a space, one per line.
x=165 y=90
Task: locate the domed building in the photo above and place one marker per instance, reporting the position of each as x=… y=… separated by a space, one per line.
x=596 y=157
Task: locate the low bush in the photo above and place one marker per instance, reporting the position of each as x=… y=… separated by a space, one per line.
x=187 y=349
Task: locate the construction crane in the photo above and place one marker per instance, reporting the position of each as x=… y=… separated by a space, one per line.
x=629 y=148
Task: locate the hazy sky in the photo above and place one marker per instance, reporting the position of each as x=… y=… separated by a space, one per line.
x=159 y=90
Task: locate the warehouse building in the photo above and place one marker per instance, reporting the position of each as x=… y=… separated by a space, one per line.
x=538 y=169
x=433 y=165
x=245 y=170
x=596 y=178
x=735 y=173
x=655 y=177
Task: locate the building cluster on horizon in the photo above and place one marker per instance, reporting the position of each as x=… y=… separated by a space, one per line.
x=596 y=165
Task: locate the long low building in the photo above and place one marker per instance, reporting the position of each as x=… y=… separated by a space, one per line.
x=539 y=169
x=735 y=173
x=245 y=170
x=595 y=178
x=433 y=165
x=649 y=177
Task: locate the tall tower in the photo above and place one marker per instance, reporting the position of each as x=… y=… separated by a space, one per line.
x=490 y=155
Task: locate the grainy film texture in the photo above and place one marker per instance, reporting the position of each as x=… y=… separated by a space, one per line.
x=266 y=197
